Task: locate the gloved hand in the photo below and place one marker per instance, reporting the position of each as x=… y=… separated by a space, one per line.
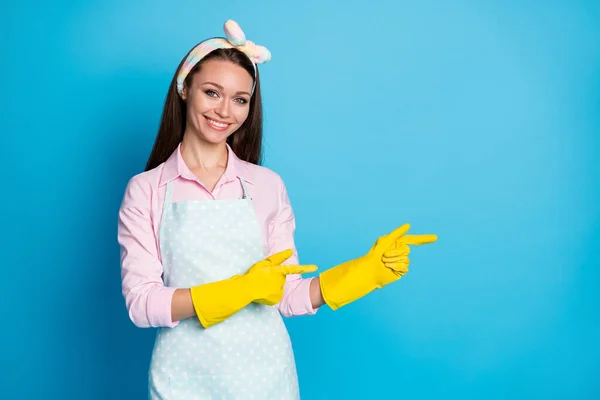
x=263 y=283
x=268 y=277
x=386 y=262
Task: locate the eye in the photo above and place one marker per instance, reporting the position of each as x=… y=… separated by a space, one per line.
x=241 y=100
x=211 y=93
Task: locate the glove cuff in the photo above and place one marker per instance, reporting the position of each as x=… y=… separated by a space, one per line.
x=215 y=302
x=346 y=282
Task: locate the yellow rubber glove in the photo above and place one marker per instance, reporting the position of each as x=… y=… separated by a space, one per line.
x=263 y=283
x=386 y=262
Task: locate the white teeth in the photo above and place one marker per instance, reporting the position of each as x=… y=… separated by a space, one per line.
x=217 y=124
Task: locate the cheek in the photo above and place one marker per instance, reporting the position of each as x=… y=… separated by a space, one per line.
x=197 y=105
x=241 y=114
x=197 y=102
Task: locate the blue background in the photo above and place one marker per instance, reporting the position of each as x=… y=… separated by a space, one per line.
x=477 y=121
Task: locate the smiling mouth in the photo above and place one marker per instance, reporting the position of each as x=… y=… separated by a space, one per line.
x=217 y=125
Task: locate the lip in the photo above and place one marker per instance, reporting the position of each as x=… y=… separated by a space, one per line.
x=215 y=127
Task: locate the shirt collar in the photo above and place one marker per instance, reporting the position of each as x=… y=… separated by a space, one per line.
x=175 y=167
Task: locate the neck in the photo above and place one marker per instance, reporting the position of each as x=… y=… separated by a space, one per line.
x=199 y=154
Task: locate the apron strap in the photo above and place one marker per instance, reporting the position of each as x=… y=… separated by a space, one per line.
x=165 y=210
x=166 y=205
x=168 y=193
x=245 y=189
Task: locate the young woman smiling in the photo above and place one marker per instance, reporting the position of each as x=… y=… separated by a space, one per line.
x=207 y=240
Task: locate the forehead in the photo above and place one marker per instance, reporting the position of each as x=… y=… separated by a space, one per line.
x=224 y=73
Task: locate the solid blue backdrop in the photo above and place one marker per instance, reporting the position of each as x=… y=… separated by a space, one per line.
x=476 y=121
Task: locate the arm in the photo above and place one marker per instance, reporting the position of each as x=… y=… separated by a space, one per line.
x=386 y=262
x=152 y=304
x=182 y=306
x=316 y=296
x=302 y=296
x=148 y=300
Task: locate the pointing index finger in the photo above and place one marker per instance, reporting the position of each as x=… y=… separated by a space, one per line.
x=298 y=269
x=417 y=240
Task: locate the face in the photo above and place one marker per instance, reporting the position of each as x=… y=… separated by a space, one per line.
x=218 y=100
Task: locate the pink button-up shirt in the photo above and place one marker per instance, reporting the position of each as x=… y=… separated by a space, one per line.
x=147 y=299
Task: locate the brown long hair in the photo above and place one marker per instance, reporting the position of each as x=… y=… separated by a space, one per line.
x=246 y=142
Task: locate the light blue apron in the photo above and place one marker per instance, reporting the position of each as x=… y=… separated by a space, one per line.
x=249 y=355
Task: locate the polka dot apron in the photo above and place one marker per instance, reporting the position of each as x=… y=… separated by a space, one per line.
x=247 y=356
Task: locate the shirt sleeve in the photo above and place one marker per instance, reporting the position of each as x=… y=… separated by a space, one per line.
x=296 y=296
x=147 y=299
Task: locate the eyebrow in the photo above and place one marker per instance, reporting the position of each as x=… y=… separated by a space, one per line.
x=221 y=87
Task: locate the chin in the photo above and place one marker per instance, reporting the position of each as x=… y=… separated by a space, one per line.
x=216 y=136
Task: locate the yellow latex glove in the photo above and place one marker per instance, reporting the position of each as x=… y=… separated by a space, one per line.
x=386 y=262
x=263 y=283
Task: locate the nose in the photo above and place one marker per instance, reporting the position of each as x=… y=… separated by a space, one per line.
x=222 y=109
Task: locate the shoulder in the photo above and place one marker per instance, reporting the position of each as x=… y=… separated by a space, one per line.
x=142 y=186
x=268 y=187
x=264 y=177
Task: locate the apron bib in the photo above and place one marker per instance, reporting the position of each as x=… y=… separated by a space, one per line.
x=247 y=356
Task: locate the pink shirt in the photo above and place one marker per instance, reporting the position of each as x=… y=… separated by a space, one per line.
x=147 y=299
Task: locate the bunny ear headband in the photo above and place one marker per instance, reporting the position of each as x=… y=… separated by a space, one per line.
x=235 y=39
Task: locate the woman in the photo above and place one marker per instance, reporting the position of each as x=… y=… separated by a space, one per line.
x=207 y=246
